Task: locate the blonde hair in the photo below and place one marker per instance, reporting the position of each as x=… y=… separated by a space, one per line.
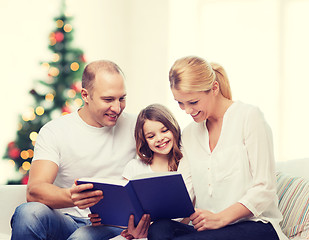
x=192 y=74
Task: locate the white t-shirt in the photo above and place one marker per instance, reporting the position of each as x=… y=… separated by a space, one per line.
x=81 y=150
x=134 y=168
x=241 y=168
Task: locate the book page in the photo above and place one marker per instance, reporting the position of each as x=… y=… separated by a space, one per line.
x=119 y=182
x=154 y=174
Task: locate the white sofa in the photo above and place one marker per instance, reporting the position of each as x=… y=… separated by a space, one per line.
x=293 y=192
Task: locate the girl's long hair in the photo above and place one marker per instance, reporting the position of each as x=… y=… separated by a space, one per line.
x=157 y=112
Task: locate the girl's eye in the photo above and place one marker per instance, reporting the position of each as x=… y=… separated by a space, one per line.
x=165 y=130
x=150 y=136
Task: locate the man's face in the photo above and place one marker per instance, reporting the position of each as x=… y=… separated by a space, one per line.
x=107 y=99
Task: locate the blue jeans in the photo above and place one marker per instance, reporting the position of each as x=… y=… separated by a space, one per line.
x=35 y=220
x=248 y=230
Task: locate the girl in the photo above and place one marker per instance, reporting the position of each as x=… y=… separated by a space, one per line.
x=158 y=139
x=158 y=142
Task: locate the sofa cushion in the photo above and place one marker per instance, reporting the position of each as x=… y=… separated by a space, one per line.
x=293 y=194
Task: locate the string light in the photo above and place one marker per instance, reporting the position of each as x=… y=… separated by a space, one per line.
x=24 y=154
x=78 y=102
x=12 y=162
x=26 y=165
x=59 y=23
x=52 y=39
x=53 y=71
x=55 y=57
x=49 y=97
x=30 y=152
x=22 y=170
x=71 y=93
x=33 y=136
x=45 y=65
x=74 y=66
x=67 y=28
x=39 y=110
x=28 y=115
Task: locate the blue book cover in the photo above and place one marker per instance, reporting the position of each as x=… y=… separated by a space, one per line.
x=162 y=195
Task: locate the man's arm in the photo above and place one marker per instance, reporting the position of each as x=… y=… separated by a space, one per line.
x=41 y=188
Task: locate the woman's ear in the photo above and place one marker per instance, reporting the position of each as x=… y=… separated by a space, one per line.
x=84 y=94
x=215 y=87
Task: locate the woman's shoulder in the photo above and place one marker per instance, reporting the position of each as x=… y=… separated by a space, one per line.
x=246 y=109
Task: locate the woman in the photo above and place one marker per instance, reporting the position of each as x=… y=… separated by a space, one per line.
x=228 y=152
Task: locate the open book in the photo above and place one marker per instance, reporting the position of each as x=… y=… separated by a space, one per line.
x=162 y=195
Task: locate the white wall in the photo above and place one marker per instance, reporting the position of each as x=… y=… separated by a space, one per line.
x=262 y=45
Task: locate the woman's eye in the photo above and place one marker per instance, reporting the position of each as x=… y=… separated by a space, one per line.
x=192 y=103
x=165 y=130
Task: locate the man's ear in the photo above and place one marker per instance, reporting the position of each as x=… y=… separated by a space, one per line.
x=85 y=95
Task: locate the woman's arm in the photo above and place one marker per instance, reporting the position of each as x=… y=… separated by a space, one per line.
x=204 y=220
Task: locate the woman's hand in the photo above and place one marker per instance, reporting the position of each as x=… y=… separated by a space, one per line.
x=95 y=219
x=82 y=198
x=140 y=231
x=204 y=220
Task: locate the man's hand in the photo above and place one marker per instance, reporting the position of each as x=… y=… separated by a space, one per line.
x=84 y=199
x=140 y=231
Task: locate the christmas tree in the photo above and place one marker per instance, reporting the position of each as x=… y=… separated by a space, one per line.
x=54 y=96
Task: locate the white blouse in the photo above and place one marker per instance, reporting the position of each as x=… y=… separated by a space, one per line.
x=240 y=168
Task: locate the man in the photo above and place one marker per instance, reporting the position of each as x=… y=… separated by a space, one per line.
x=95 y=141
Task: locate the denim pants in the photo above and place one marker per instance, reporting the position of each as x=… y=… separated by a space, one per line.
x=35 y=220
x=247 y=230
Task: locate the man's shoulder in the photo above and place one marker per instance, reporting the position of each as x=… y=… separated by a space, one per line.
x=128 y=116
x=60 y=122
x=126 y=119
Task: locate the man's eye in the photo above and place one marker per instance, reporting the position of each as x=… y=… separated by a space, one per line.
x=122 y=99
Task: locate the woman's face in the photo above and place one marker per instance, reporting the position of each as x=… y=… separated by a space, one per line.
x=199 y=105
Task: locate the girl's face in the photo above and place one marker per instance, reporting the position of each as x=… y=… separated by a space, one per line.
x=199 y=105
x=159 y=138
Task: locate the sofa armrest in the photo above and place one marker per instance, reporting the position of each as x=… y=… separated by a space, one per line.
x=10 y=197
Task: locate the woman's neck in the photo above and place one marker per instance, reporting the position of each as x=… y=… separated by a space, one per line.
x=222 y=106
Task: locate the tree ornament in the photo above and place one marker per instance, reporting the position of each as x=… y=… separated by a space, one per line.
x=59 y=36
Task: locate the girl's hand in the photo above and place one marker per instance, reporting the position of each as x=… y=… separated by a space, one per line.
x=140 y=231
x=95 y=219
x=205 y=220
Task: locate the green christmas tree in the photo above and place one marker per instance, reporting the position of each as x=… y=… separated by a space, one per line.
x=54 y=96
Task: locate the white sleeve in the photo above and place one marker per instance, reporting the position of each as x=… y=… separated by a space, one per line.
x=259 y=145
x=46 y=146
x=184 y=169
x=130 y=170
